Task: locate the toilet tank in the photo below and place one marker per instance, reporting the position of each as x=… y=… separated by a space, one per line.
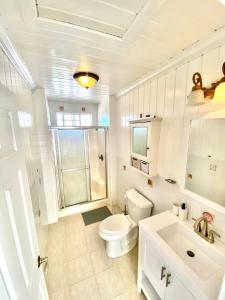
x=138 y=206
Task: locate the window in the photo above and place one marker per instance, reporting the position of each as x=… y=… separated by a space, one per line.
x=71 y=119
x=25 y=119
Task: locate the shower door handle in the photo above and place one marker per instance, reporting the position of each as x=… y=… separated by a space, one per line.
x=101 y=157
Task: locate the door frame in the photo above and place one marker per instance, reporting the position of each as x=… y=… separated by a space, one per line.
x=58 y=161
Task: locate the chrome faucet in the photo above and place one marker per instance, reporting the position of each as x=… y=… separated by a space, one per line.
x=201 y=227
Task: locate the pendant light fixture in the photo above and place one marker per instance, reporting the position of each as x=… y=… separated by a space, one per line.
x=86 y=79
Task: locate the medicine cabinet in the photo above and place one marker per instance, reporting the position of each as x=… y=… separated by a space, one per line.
x=145 y=133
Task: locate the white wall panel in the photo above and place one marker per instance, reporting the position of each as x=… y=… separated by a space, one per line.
x=127 y=110
x=168 y=98
x=153 y=97
x=131 y=104
x=161 y=95
x=136 y=103
x=180 y=90
x=147 y=98
x=169 y=94
x=141 y=100
x=211 y=61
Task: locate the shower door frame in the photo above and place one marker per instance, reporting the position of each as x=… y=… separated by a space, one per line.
x=58 y=163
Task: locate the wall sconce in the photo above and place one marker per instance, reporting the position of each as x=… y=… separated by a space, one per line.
x=198 y=94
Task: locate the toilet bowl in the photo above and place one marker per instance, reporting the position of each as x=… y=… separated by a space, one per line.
x=120 y=234
x=121 y=231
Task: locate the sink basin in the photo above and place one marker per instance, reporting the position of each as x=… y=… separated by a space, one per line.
x=201 y=257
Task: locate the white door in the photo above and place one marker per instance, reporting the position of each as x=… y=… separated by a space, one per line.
x=20 y=277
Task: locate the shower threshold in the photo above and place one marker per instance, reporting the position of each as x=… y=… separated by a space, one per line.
x=83 y=207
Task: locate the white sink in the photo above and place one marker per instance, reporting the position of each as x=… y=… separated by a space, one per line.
x=203 y=259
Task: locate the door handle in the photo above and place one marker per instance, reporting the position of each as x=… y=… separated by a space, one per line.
x=168 y=275
x=42 y=260
x=163 y=269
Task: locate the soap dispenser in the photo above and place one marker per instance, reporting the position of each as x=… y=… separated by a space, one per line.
x=183 y=212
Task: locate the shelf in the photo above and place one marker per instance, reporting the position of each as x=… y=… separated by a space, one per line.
x=149 y=291
x=139 y=171
x=145 y=120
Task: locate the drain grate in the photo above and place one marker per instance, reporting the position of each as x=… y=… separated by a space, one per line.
x=190 y=253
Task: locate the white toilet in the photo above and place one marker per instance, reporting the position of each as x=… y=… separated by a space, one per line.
x=121 y=231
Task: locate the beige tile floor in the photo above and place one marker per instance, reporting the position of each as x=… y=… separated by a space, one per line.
x=79 y=268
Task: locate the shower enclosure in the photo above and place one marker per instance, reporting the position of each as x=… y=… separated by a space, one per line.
x=80 y=161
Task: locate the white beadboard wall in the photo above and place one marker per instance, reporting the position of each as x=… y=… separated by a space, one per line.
x=165 y=96
x=10 y=78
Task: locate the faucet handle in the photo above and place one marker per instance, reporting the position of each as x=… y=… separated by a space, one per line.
x=211 y=235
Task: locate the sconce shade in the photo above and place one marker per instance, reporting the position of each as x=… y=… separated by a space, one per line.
x=86 y=79
x=219 y=95
x=196 y=97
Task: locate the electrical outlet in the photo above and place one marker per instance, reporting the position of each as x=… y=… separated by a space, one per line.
x=212 y=167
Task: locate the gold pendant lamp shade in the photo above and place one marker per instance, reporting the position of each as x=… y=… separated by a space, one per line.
x=86 y=79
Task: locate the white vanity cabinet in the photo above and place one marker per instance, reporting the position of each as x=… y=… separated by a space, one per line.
x=156 y=278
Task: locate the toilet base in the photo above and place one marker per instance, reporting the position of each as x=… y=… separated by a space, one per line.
x=122 y=246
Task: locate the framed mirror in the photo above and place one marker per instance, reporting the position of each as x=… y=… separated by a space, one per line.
x=205 y=169
x=140 y=136
x=140 y=140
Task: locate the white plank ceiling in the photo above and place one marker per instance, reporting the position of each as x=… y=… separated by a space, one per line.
x=119 y=40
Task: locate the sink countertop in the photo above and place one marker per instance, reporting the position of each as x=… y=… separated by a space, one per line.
x=201 y=289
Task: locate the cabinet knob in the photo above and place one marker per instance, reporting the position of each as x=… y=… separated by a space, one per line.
x=168 y=275
x=163 y=269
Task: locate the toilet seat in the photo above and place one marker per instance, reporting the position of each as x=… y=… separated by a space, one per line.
x=115 y=225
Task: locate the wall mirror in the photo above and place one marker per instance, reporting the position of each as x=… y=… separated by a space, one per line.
x=205 y=171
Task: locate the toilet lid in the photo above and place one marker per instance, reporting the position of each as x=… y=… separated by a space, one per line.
x=116 y=224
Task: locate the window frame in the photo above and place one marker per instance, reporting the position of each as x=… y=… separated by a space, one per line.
x=75 y=120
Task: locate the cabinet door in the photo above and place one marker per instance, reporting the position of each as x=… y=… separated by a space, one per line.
x=176 y=291
x=155 y=269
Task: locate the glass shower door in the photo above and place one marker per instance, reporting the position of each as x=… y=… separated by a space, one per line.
x=74 y=166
